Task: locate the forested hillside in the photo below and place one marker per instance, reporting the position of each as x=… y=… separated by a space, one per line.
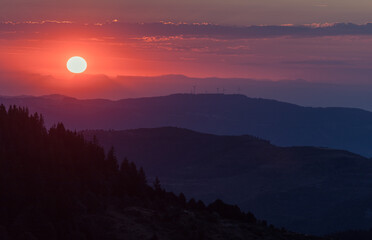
x=56 y=185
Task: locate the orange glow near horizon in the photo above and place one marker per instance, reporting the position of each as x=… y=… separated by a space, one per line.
x=50 y=57
x=35 y=57
x=47 y=52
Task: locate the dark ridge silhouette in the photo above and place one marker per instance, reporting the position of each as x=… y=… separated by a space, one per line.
x=56 y=185
x=282 y=123
x=352 y=235
x=304 y=189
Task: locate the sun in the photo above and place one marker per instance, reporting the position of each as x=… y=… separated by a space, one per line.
x=77 y=65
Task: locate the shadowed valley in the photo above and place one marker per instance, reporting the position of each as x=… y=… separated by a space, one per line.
x=306 y=189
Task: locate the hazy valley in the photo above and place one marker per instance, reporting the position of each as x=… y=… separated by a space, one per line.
x=281 y=123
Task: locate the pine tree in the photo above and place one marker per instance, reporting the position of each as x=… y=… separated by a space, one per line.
x=112 y=163
x=157 y=185
x=142 y=177
x=182 y=199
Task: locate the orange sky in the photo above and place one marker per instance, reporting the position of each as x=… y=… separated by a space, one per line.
x=37 y=54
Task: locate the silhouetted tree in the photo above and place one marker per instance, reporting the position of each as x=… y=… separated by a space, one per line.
x=156 y=184
x=226 y=210
x=142 y=177
x=112 y=162
x=200 y=205
x=192 y=204
x=182 y=199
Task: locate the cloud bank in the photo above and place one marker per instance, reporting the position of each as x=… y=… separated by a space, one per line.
x=117 y=30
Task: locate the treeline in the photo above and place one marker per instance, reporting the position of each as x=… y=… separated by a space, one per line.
x=49 y=178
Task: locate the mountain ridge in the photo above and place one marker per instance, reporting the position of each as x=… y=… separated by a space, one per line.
x=284 y=124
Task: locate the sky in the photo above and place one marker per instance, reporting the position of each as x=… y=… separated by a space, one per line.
x=268 y=40
x=232 y=12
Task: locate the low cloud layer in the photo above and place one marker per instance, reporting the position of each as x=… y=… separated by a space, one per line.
x=159 y=31
x=233 y=12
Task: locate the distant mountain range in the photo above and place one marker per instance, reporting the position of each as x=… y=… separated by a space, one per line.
x=306 y=189
x=282 y=123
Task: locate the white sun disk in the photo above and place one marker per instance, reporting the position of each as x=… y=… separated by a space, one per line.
x=77 y=65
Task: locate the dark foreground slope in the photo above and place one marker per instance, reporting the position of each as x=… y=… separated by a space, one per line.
x=282 y=123
x=306 y=189
x=56 y=185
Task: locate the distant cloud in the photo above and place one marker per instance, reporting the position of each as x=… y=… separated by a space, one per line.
x=164 y=30
x=321 y=5
x=319 y=62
